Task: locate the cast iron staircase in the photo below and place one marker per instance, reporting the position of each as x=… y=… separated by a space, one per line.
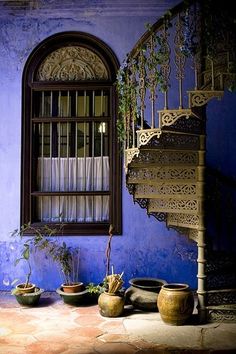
x=165 y=146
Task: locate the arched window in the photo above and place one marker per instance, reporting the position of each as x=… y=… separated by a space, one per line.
x=70 y=155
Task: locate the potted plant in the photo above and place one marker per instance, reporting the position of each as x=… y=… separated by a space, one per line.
x=26 y=293
x=94 y=291
x=72 y=291
x=111 y=301
x=67 y=259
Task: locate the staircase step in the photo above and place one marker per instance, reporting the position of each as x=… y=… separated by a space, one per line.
x=183 y=220
x=167 y=190
x=222 y=313
x=158 y=174
x=169 y=117
x=152 y=158
x=172 y=139
x=145 y=135
x=173 y=205
x=198 y=98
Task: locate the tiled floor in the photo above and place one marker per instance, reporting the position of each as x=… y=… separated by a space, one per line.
x=55 y=327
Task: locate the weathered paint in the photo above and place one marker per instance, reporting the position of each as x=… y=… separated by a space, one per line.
x=146 y=247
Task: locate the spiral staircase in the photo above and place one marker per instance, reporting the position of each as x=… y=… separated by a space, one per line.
x=163 y=93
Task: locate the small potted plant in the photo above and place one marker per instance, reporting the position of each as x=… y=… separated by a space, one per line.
x=26 y=293
x=71 y=290
x=94 y=291
x=111 y=301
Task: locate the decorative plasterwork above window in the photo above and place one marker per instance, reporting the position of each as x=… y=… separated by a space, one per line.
x=71 y=64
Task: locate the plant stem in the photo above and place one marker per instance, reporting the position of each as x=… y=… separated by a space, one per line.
x=28 y=275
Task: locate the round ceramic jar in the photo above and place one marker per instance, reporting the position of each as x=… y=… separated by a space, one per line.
x=111 y=304
x=175 y=303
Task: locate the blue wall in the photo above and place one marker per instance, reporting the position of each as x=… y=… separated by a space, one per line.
x=146 y=247
x=221 y=167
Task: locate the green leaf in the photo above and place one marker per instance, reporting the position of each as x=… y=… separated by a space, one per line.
x=26 y=253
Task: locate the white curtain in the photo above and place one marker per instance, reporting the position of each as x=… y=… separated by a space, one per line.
x=59 y=174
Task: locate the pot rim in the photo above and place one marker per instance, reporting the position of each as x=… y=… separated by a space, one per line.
x=30 y=286
x=79 y=294
x=175 y=286
x=117 y=293
x=72 y=284
x=158 y=285
x=38 y=291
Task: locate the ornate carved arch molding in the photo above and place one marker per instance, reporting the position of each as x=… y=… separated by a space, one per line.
x=72 y=63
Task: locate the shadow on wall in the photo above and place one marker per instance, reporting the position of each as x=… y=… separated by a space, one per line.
x=220 y=211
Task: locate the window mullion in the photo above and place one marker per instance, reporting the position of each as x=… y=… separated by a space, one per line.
x=42 y=170
x=101 y=144
x=68 y=169
x=93 y=151
x=85 y=155
x=76 y=155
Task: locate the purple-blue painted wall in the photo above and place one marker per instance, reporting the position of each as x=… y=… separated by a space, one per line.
x=145 y=248
x=221 y=167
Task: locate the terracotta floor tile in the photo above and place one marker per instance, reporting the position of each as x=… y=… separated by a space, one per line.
x=80 y=351
x=55 y=336
x=77 y=341
x=10 y=349
x=89 y=320
x=115 y=348
x=4 y=331
x=42 y=347
x=89 y=332
x=53 y=324
x=18 y=328
x=113 y=337
x=113 y=327
x=18 y=339
x=88 y=310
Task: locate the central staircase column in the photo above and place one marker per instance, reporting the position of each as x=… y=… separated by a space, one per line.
x=201 y=291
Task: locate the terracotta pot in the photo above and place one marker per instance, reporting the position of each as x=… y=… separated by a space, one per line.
x=73 y=287
x=24 y=290
x=143 y=292
x=110 y=304
x=175 y=303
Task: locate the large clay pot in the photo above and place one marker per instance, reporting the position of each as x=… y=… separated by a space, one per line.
x=143 y=292
x=175 y=303
x=111 y=304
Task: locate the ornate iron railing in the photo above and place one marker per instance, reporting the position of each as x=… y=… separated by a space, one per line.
x=177 y=66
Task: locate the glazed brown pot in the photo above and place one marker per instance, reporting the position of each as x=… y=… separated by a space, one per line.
x=111 y=304
x=175 y=303
x=73 y=287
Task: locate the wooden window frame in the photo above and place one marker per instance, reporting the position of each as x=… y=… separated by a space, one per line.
x=30 y=84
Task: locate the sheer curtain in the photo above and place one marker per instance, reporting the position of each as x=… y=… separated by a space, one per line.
x=59 y=174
